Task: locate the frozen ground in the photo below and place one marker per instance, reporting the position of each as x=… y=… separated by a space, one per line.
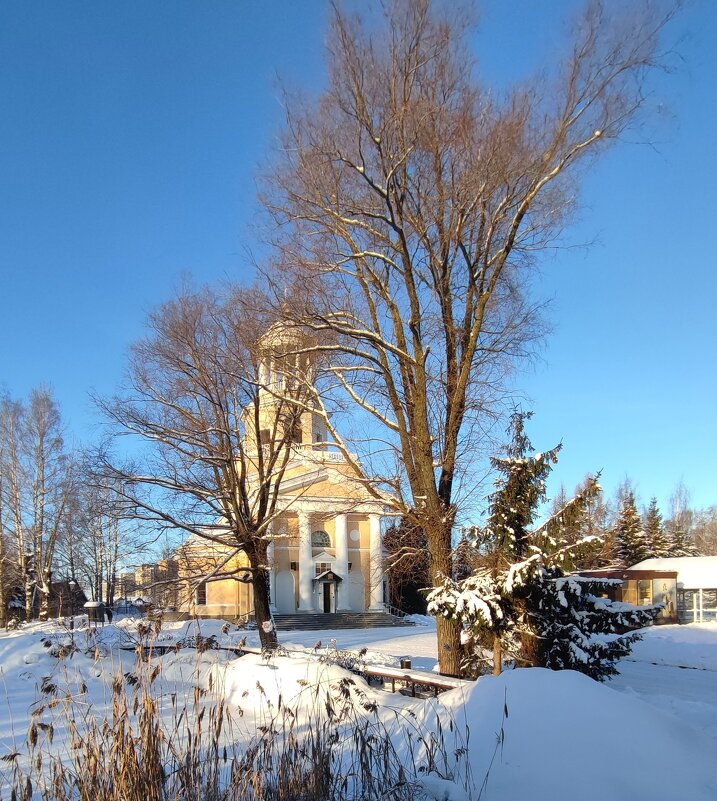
x=650 y=733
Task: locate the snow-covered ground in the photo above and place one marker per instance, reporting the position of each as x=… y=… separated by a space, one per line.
x=674 y=668
x=650 y=733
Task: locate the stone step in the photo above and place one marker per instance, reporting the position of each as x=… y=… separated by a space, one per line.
x=317 y=621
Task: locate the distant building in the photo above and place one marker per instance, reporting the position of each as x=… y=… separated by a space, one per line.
x=643 y=588
x=685 y=585
x=126 y=586
x=696 y=584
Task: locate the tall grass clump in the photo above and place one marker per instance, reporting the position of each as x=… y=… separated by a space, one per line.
x=330 y=744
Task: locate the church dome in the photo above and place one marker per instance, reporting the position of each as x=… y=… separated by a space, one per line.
x=283 y=336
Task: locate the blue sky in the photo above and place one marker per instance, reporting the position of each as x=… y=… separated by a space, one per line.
x=131 y=134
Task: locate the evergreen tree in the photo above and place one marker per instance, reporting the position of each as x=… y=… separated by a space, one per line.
x=570 y=534
x=408 y=567
x=465 y=558
x=521 y=597
x=631 y=541
x=680 y=542
x=655 y=531
x=573 y=617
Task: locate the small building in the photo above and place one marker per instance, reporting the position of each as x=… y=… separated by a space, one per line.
x=66 y=598
x=696 y=584
x=643 y=587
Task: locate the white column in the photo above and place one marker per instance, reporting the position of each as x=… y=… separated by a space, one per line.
x=305 y=563
x=342 y=562
x=375 y=562
x=272 y=569
x=702 y=607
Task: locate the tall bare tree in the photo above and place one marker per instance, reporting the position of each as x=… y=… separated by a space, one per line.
x=10 y=576
x=14 y=498
x=52 y=474
x=215 y=437
x=95 y=540
x=411 y=202
x=705 y=531
x=38 y=484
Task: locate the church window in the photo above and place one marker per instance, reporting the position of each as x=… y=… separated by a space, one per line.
x=320 y=539
x=322 y=567
x=201 y=594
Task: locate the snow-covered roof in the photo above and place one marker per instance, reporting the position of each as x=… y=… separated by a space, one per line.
x=693 y=572
x=330 y=573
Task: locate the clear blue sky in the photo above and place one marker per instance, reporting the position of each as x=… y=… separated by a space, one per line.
x=131 y=133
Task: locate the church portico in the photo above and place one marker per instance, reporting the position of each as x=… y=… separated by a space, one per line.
x=346 y=545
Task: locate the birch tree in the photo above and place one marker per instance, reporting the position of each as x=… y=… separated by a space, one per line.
x=410 y=202
x=95 y=540
x=13 y=496
x=52 y=475
x=37 y=486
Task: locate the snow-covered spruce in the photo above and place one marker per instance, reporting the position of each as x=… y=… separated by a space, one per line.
x=520 y=598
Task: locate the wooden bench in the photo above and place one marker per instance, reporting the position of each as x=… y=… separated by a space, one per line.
x=160 y=649
x=239 y=650
x=148 y=650
x=413 y=678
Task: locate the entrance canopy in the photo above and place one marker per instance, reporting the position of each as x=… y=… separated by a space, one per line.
x=327 y=575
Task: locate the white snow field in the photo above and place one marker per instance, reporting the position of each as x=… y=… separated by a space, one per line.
x=650 y=733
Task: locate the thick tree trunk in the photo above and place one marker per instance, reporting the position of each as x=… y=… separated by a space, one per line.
x=497 y=656
x=262 y=609
x=531 y=649
x=450 y=650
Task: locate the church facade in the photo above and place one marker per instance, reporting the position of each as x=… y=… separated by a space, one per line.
x=325 y=547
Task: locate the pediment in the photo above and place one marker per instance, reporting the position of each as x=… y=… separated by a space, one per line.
x=304 y=480
x=323 y=557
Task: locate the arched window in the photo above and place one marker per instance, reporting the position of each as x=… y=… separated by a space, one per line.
x=200 y=597
x=320 y=539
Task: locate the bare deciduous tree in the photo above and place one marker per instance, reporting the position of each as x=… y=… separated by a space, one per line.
x=216 y=438
x=705 y=531
x=95 y=540
x=38 y=484
x=411 y=202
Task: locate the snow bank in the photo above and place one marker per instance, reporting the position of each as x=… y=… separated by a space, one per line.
x=566 y=735
x=253 y=683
